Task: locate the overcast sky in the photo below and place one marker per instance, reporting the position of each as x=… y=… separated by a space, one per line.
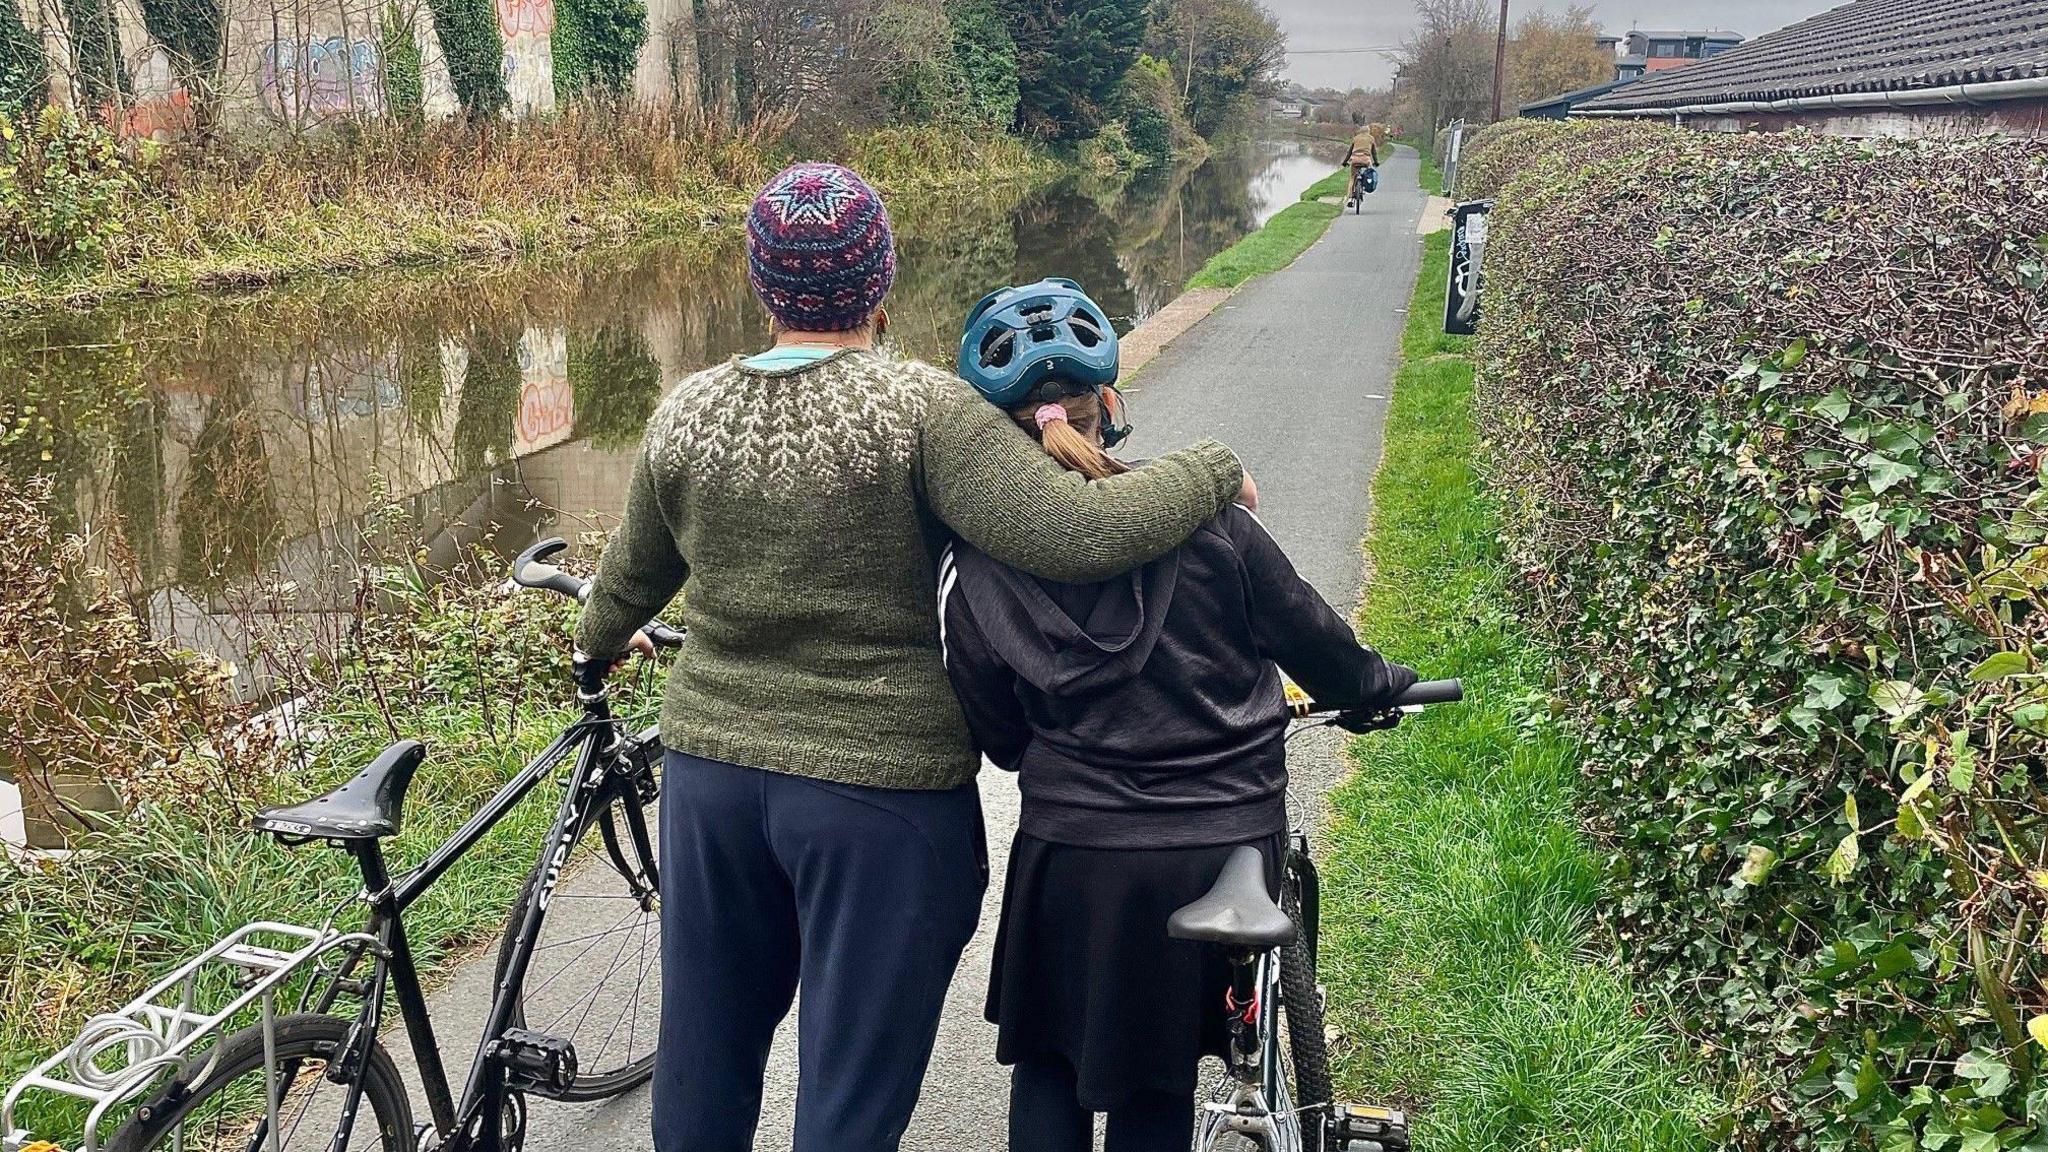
x=1314 y=27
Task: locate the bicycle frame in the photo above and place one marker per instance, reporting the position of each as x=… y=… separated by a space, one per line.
x=472 y=1122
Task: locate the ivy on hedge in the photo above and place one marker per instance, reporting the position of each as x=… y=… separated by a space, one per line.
x=1767 y=418
x=468 y=30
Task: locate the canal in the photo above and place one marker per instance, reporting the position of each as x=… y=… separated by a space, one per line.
x=231 y=452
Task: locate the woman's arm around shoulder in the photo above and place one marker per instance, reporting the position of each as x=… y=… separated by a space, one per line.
x=998 y=489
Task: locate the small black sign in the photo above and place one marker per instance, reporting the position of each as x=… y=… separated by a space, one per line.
x=1468 y=252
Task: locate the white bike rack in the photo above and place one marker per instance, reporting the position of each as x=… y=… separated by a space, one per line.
x=118 y=1055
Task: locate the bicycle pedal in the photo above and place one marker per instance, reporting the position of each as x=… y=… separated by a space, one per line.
x=1376 y=1129
x=537 y=1062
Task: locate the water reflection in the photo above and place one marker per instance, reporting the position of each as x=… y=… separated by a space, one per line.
x=233 y=451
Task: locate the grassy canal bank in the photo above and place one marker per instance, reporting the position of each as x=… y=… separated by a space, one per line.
x=1276 y=245
x=102 y=222
x=1458 y=886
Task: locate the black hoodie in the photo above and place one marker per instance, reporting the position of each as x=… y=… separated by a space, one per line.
x=1146 y=711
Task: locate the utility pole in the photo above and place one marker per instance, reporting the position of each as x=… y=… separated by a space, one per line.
x=1500 y=61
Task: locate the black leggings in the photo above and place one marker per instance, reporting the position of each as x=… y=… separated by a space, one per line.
x=1046 y=1115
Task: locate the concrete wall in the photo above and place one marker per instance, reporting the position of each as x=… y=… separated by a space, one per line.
x=293 y=65
x=2024 y=119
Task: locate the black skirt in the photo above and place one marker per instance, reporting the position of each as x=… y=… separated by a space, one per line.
x=1084 y=970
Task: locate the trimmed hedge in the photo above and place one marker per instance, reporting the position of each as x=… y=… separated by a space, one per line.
x=1767 y=417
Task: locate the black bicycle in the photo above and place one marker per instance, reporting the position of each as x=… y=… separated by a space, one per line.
x=574 y=1012
x=1276 y=1095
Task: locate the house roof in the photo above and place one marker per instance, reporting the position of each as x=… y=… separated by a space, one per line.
x=1868 y=46
x=1575 y=97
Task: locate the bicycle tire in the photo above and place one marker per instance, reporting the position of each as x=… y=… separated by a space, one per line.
x=1302 y=1003
x=590 y=881
x=301 y=1039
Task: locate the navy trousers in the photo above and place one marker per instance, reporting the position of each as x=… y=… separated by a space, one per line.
x=863 y=896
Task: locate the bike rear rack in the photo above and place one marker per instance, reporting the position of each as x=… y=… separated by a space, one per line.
x=158 y=1030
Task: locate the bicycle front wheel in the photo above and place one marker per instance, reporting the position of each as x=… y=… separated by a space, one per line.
x=595 y=974
x=218 y=1103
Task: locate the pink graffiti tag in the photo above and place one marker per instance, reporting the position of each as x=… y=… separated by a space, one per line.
x=519 y=16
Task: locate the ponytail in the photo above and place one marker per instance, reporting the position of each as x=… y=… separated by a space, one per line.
x=1071 y=438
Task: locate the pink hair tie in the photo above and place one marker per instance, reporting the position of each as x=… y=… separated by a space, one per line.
x=1048 y=413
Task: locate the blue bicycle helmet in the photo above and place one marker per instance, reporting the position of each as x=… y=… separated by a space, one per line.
x=1018 y=338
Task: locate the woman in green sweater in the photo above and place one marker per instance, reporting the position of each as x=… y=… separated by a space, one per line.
x=819 y=823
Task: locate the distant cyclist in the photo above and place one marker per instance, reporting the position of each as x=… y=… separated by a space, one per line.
x=1362 y=158
x=1144 y=714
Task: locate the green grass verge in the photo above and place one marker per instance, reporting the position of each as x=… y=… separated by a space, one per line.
x=1337 y=184
x=1270 y=249
x=1458 y=886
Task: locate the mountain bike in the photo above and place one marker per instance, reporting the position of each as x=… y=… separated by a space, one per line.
x=574 y=1008
x=1275 y=1095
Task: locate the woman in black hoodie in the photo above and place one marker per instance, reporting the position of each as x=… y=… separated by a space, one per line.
x=1146 y=718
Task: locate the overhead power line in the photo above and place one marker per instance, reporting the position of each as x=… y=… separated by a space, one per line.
x=1342 y=51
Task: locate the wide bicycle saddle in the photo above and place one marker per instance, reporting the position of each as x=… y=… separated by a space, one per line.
x=1237 y=911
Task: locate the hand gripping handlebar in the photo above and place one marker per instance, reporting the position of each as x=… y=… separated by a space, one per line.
x=531 y=570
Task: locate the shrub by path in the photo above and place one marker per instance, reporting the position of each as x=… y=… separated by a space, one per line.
x=1458 y=889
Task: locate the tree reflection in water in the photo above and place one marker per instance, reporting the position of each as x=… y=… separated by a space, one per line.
x=249 y=436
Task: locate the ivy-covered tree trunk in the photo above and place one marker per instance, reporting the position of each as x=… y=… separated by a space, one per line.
x=24 y=71
x=476 y=56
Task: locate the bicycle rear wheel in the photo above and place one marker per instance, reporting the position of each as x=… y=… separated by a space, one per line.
x=595 y=974
x=217 y=1104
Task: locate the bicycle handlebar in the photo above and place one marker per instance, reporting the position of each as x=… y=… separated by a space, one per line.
x=531 y=570
x=1419 y=695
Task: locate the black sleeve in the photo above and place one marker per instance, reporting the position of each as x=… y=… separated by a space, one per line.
x=1297 y=629
x=985 y=685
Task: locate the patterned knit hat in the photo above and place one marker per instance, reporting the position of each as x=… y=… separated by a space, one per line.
x=819 y=251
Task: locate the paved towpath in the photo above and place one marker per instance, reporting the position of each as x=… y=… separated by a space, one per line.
x=1293 y=371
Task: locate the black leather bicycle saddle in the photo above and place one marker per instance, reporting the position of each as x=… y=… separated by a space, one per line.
x=370 y=806
x=1237 y=910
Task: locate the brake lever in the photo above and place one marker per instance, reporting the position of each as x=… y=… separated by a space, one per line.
x=1363 y=721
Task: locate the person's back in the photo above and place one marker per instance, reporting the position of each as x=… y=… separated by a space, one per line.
x=1147 y=710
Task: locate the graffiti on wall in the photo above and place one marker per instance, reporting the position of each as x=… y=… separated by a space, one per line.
x=547 y=401
x=529 y=71
x=160 y=107
x=313 y=79
x=519 y=17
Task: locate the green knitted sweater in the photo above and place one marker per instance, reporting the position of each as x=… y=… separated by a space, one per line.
x=803 y=511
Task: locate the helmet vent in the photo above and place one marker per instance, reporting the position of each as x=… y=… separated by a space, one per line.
x=1086 y=331
x=998 y=349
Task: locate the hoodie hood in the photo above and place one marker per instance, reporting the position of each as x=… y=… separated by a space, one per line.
x=1069 y=639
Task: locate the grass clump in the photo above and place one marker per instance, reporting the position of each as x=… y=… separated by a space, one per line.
x=1459 y=889
x=1268 y=250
